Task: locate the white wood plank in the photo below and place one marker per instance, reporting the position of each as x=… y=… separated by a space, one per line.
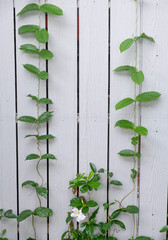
x=7 y=119
x=28 y=84
x=153 y=184
x=93 y=93
x=123 y=25
x=63 y=92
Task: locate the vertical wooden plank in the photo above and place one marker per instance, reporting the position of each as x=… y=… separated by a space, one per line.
x=93 y=93
x=28 y=84
x=63 y=92
x=153 y=184
x=7 y=119
x=123 y=17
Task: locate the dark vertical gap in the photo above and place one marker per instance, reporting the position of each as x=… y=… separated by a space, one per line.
x=16 y=110
x=78 y=102
x=139 y=118
x=108 y=127
x=47 y=129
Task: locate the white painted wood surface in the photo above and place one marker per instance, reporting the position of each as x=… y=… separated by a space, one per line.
x=93 y=110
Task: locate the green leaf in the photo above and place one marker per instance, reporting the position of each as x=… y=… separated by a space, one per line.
x=85 y=210
x=126 y=44
x=42 y=35
x=29 y=7
x=132 y=209
x=42 y=191
x=33 y=97
x=43 y=75
x=143 y=238
x=52 y=9
x=94 y=214
x=91 y=204
x=48 y=156
x=143 y=35
x=68 y=219
x=106 y=206
x=112 y=238
x=93 y=167
x=110 y=174
x=125 y=68
x=133 y=174
x=43 y=212
x=164 y=229
x=29 y=48
x=141 y=131
x=116 y=213
x=115 y=182
x=137 y=77
x=23 y=215
x=45 y=101
x=3 y=232
x=32 y=157
x=101 y=170
x=95 y=185
x=46 y=54
x=32 y=135
x=31 y=183
x=31 y=68
x=127 y=153
x=125 y=124
x=134 y=141
x=9 y=214
x=147 y=96
x=44 y=117
x=84 y=189
x=119 y=223
x=28 y=119
x=28 y=28
x=76 y=202
x=31 y=238
x=44 y=137
x=124 y=103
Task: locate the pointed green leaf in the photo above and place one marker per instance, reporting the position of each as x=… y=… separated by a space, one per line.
x=91 y=204
x=116 y=213
x=137 y=77
x=164 y=229
x=3 y=233
x=95 y=185
x=115 y=182
x=110 y=174
x=133 y=174
x=28 y=119
x=28 y=28
x=44 y=137
x=31 y=68
x=124 y=103
x=44 y=117
x=125 y=68
x=33 y=97
x=119 y=223
x=43 y=212
x=147 y=96
x=126 y=44
x=30 y=183
x=42 y=191
x=31 y=135
x=32 y=156
x=134 y=141
x=143 y=238
x=43 y=75
x=23 y=215
x=94 y=214
x=125 y=124
x=9 y=214
x=29 y=48
x=127 y=153
x=29 y=7
x=93 y=167
x=132 y=209
x=76 y=202
x=52 y=9
x=143 y=35
x=46 y=54
x=141 y=131
x=48 y=156
x=45 y=101
x=42 y=35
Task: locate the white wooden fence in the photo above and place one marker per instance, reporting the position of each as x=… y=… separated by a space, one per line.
x=84 y=125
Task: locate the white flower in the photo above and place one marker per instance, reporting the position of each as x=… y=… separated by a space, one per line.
x=78 y=215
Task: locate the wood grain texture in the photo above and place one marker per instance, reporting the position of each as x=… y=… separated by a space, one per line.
x=153 y=179
x=93 y=91
x=123 y=26
x=8 y=193
x=63 y=92
x=28 y=84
